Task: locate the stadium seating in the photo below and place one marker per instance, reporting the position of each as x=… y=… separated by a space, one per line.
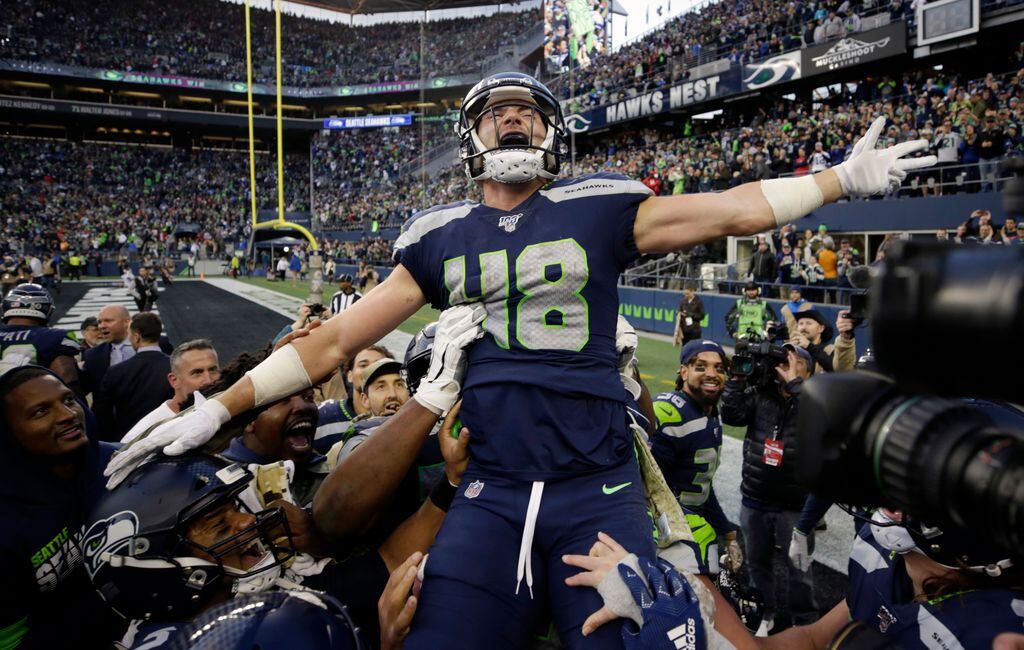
x=206 y=38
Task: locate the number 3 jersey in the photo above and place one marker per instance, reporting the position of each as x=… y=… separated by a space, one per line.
x=542 y=394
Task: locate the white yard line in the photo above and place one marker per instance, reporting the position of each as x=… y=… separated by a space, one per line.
x=288 y=306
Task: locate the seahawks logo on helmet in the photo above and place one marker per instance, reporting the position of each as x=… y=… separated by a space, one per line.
x=108 y=536
x=28 y=300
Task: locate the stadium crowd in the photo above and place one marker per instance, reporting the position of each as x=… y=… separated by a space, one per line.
x=744 y=32
x=206 y=39
x=60 y=196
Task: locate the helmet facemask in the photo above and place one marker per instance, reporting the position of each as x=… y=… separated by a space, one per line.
x=514 y=159
x=262 y=547
x=518 y=159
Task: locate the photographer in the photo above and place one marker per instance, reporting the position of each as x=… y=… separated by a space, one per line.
x=772 y=499
x=813 y=334
x=750 y=314
x=306 y=314
x=844 y=355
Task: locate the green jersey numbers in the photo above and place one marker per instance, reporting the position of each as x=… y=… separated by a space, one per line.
x=708 y=457
x=547 y=304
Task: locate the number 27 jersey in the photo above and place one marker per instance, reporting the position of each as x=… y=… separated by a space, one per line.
x=542 y=393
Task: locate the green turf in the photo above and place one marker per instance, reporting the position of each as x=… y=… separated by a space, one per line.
x=659 y=360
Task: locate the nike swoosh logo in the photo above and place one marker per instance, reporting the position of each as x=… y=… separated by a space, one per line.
x=614 y=489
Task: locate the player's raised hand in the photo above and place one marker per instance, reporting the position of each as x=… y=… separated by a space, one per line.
x=189 y=430
x=871 y=171
x=456 y=329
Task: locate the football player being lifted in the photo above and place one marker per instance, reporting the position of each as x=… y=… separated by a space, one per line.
x=538 y=262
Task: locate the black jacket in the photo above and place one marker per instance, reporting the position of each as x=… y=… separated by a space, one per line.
x=96 y=361
x=46 y=591
x=766 y=415
x=129 y=391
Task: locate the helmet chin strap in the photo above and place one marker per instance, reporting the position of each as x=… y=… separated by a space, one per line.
x=513 y=166
x=254 y=580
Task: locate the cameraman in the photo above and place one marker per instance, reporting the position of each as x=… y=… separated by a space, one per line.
x=750 y=314
x=813 y=334
x=844 y=357
x=772 y=499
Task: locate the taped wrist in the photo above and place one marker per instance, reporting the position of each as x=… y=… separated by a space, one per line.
x=616 y=594
x=278 y=376
x=792 y=198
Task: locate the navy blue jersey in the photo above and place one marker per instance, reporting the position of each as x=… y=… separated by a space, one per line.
x=334 y=425
x=542 y=392
x=21 y=344
x=881 y=595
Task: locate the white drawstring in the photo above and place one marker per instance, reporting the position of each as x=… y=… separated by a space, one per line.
x=526 y=546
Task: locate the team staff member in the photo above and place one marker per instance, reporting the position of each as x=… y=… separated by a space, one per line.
x=688 y=445
x=541 y=261
x=691 y=313
x=52 y=463
x=194 y=366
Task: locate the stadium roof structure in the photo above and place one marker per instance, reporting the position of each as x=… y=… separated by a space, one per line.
x=382 y=6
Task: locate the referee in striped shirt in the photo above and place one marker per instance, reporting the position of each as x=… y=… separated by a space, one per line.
x=346 y=297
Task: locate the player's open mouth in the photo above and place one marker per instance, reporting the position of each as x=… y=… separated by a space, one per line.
x=515 y=139
x=252 y=555
x=710 y=385
x=300 y=434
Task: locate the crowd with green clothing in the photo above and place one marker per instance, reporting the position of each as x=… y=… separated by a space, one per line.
x=202 y=38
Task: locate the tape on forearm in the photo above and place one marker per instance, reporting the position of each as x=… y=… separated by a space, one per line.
x=792 y=198
x=278 y=376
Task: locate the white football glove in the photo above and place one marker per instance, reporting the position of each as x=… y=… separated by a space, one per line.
x=733 y=558
x=456 y=328
x=626 y=342
x=174 y=437
x=798 y=553
x=871 y=171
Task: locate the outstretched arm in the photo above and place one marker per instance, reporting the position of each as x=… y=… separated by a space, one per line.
x=365 y=322
x=669 y=223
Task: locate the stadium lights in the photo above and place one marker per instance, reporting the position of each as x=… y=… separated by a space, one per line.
x=136 y=93
x=95 y=91
x=198 y=100
x=31 y=84
x=238 y=102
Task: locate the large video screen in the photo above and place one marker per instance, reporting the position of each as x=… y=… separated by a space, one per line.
x=574 y=30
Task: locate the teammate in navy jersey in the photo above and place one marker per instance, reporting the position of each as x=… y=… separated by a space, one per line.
x=25 y=338
x=688 y=445
x=551 y=451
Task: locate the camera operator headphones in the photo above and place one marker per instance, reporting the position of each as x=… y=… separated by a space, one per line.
x=954 y=551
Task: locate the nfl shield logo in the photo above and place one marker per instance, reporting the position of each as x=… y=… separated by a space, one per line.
x=474 y=489
x=509 y=221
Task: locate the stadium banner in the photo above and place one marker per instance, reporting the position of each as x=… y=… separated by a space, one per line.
x=368 y=121
x=687 y=93
x=855 y=49
x=175 y=81
x=161 y=115
x=777 y=69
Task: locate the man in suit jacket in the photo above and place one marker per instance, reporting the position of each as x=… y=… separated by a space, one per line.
x=114 y=321
x=133 y=388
